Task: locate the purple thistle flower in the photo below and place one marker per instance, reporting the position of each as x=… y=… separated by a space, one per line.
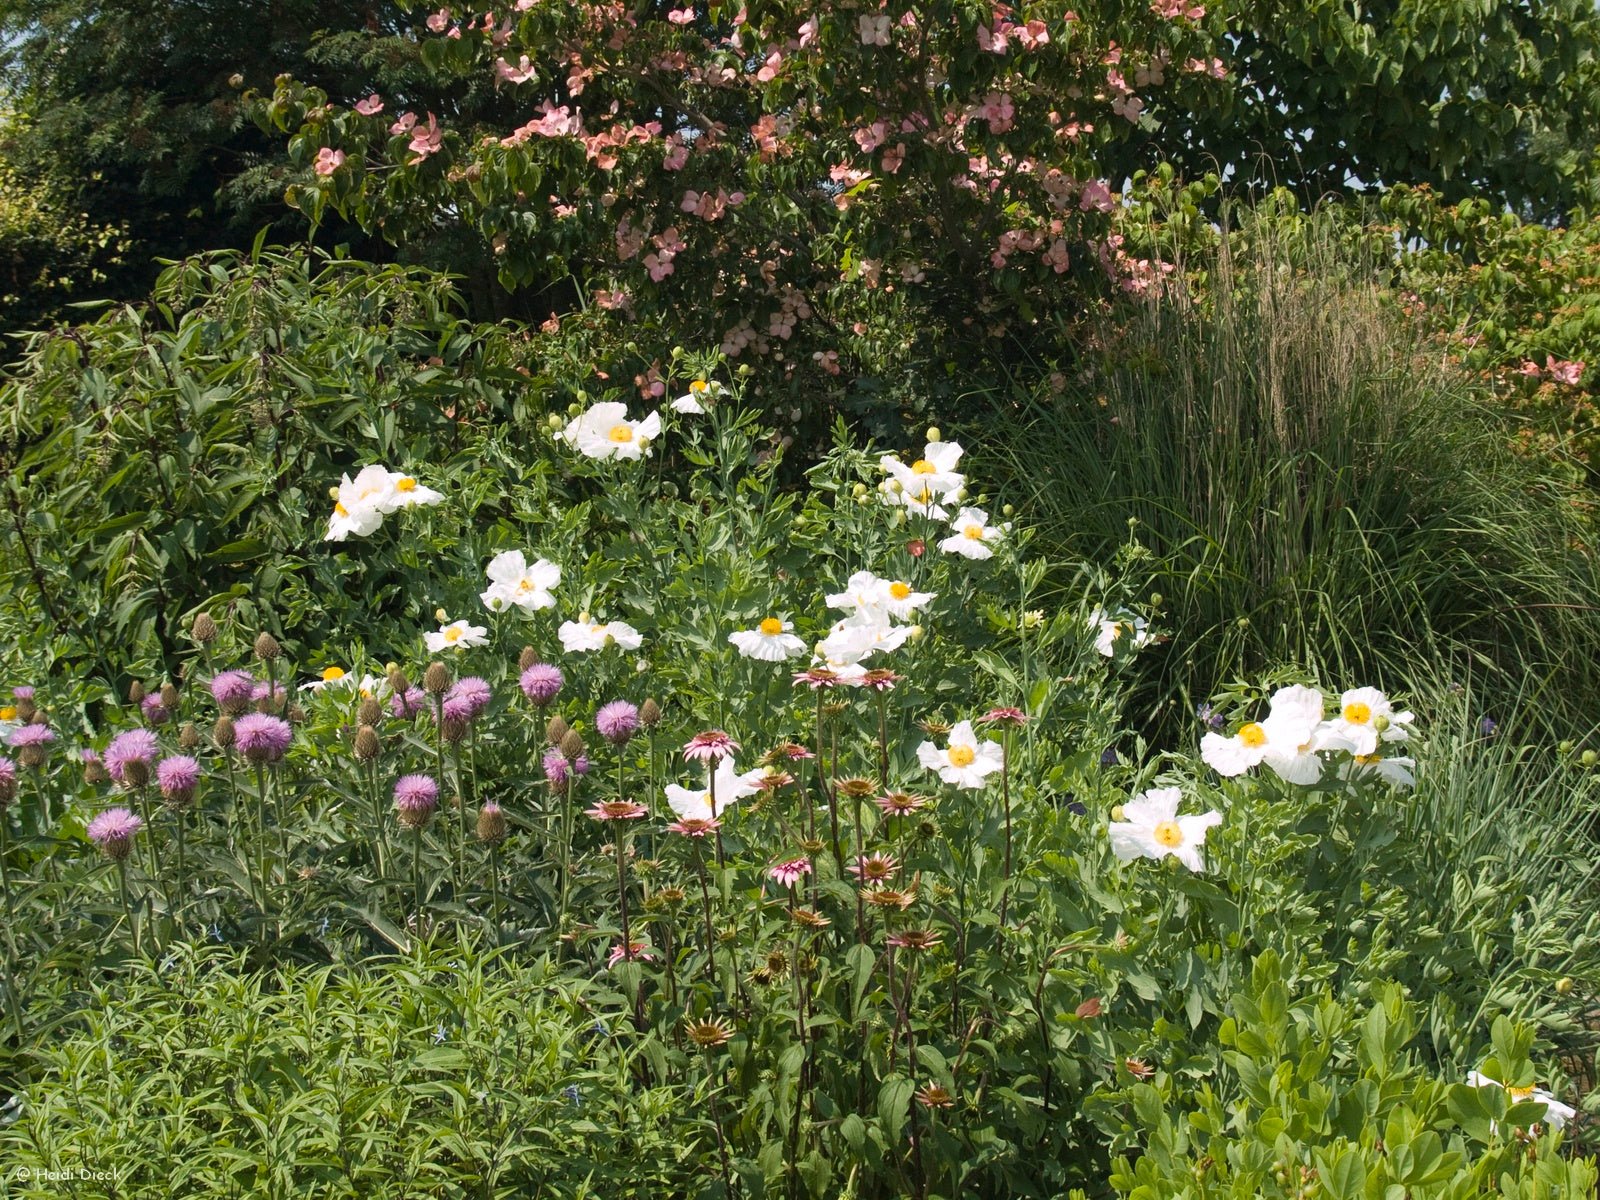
x=233 y=691
x=262 y=738
x=88 y=756
x=617 y=722
x=541 y=682
x=22 y=692
x=31 y=735
x=416 y=797
x=580 y=765
x=8 y=781
x=133 y=745
x=154 y=711
x=469 y=697
x=177 y=777
x=556 y=770
x=409 y=703
x=113 y=832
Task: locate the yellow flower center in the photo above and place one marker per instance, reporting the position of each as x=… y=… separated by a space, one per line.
x=405 y=484
x=899 y=590
x=1253 y=735
x=621 y=433
x=8 y=713
x=962 y=756
x=331 y=673
x=698 y=386
x=772 y=627
x=1168 y=834
x=1521 y=1093
x=973 y=533
x=923 y=467
x=1357 y=713
x=924 y=496
x=340 y=509
x=452 y=634
x=1367 y=760
x=525 y=585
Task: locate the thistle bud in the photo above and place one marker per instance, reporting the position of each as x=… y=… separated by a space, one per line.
x=169 y=697
x=649 y=714
x=526 y=659
x=296 y=714
x=26 y=709
x=370 y=712
x=398 y=683
x=222 y=733
x=454 y=730
x=188 y=736
x=136 y=692
x=204 y=629
x=32 y=757
x=572 y=744
x=136 y=773
x=366 y=747
x=266 y=646
x=555 y=730
x=95 y=773
x=436 y=679
x=491 y=824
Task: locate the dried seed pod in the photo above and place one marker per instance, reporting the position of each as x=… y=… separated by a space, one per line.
x=222 y=733
x=136 y=692
x=169 y=697
x=572 y=745
x=371 y=711
x=188 y=736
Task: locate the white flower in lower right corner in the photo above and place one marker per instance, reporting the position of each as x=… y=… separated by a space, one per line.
x=1152 y=828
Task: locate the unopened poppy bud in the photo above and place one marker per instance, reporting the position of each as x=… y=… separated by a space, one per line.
x=136 y=772
x=572 y=745
x=1008 y=510
x=859 y=491
x=491 y=824
x=370 y=712
x=188 y=736
x=1116 y=813
x=1157 y=599
x=1564 y=986
x=555 y=729
x=366 y=745
x=436 y=679
x=914 y=634
x=266 y=646
x=527 y=658
x=222 y=733
x=136 y=692
x=169 y=697
x=1380 y=723
x=204 y=629
x=440 y=615
x=934 y=434
x=554 y=421
x=1589 y=758
x=649 y=714
x=333 y=492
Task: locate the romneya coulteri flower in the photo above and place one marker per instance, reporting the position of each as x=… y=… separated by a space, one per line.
x=605 y=431
x=1152 y=828
x=965 y=761
x=514 y=583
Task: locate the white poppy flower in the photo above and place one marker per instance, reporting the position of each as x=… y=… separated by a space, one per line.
x=770 y=641
x=691 y=402
x=457 y=635
x=1110 y=630
x=1287 y=740
x=695 y=804
x=606 y=432
x=859 y=636
x=359 y=504
x=1397 y=770
x=1557 y=1113
x=513 y=582
x=408 y=493
x=965 y=762
x=865 y=592
x=584 y=635
x=1366 y=717
x=1152 y=828
x=973 y=535
x=935 y=470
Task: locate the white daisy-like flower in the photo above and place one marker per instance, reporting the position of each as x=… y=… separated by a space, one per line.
x=861 y=635
x=408 y=493
x=770 y=641
x=606 y=432
x=1287 y=740
x=1366 y=717
x=865 y=592
x=583 y=635
x=359 y=504
x=457 y=635
x=338 y=679
x=934 y=471
x=512 y=581
x=1124 y=628
x=693 y=401
x=1397 y=770
x=1152 y=828
x=1557 y=1113
x=965 y=762
x=974 y=535
x=696 y=804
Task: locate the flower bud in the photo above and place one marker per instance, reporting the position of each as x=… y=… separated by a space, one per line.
x=436 y=679
x=1565 y=748
x=398 y=683
x=266 y=646
x=649 y=714
x=26 y=709
x=934 y=434
x=204 y=629
x=1380 y=723
x=136 y=692
x=1157 y=599
x=95 y=773
x=491 y=824
x=1116 y=813
x=222 y=733
x=169 y=697
x=554 y=421
x=1589 y=758
x=333 y=492
x=526 y=659
x=366 y=744
x=555 y=729
x=136 y=773
x=454 y=729
x=572 y=745
x=1564 y=986
x=370 y=712
x=440 y=615
x=914 y=634
x=188 y=736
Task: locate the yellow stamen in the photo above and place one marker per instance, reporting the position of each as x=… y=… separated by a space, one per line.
x=699 y=385
x=923 y=467
x=1253 y=735
x=1367 y=760
x=899 y=590
x=341 y=509
x=772 y=627
x=1168 y=834
x=8 y=713
x=1521 y=1093
x=1357 y=713
x=405 y=484
x=332 y=673
x=973 y=533
x=452 y=634
x=962 y=756
x=621 y=433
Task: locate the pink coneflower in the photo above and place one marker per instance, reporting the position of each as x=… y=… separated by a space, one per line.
x=794 y=751
x=695 y=827
x=789 y=872
x=154 y=710
x=900 y=804
x=233 y=691
x=617 y=810
x=914 y=939
x=409 y=702
x=112 y=831
x=935 y=1096
x=773 y=780
x=132 y=746
x=817 y=678
x=541 y=682
x=416 y=798
x=874 y=868
x=469 y=697
x=178 y=777
x=617 y=722
x=880 y=680
x=262 y=738
x=1009 y=716
x=632 y=952
x=711 y=746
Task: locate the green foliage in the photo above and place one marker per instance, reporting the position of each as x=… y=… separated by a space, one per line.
x=1320 y=1098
